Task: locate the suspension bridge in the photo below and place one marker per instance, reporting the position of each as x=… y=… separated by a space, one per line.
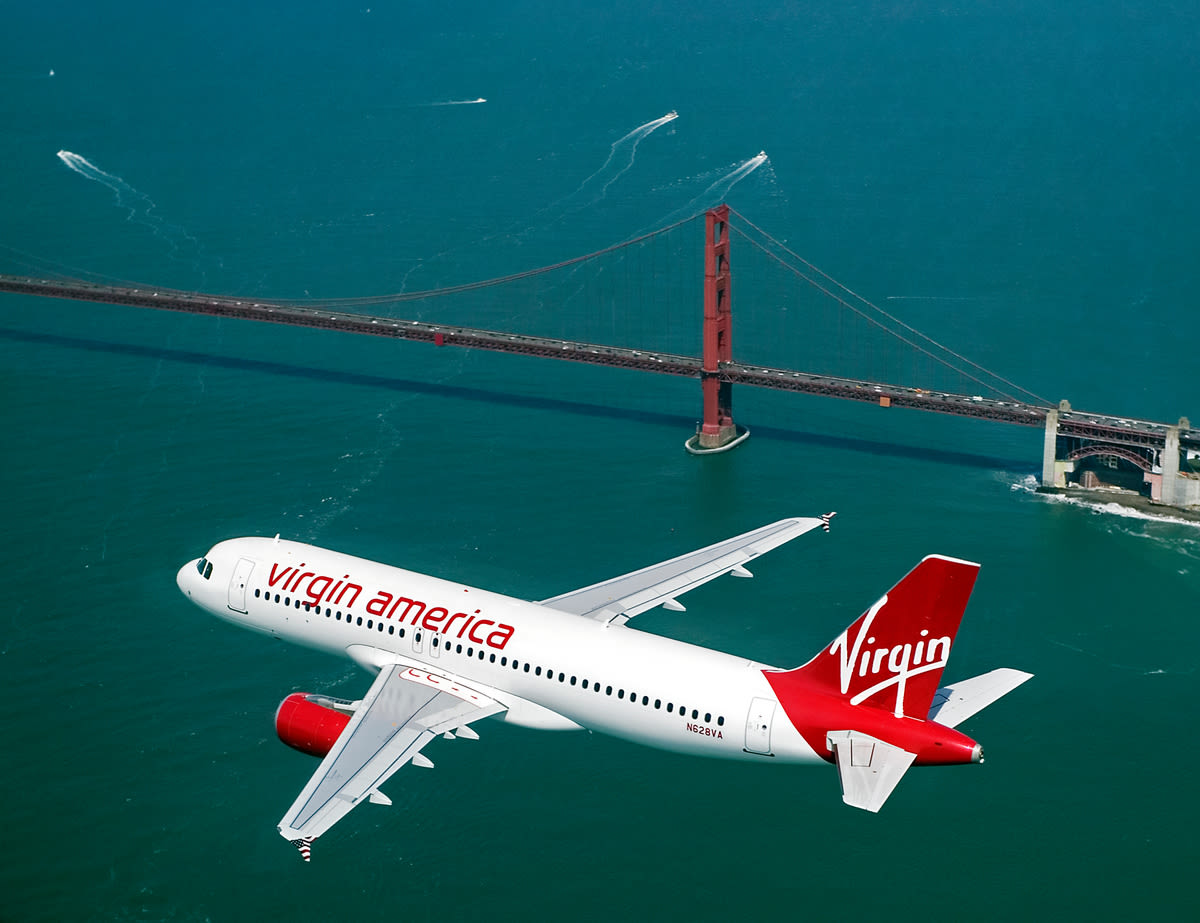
x=845 y=347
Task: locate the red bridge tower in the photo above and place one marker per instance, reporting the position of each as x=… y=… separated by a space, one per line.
x=717 y=431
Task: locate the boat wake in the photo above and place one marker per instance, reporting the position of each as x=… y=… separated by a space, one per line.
x=717 y=190
x=620 y=160
x=138 y=206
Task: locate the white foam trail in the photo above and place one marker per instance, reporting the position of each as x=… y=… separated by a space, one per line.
x=1111 y=508
x=139 y=205
x=633 y=139
x=717 y=190
x=460 y=102
x=620 y=158
x=89 y=170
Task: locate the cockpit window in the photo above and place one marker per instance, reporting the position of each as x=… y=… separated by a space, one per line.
x=204 y=568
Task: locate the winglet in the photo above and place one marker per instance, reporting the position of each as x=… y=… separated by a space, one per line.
x=825 y=520
x=304 y=844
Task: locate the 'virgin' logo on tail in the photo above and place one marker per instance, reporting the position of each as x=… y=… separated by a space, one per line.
x=896 y=663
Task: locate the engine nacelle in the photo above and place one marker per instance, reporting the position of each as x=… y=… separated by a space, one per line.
x=309 y=724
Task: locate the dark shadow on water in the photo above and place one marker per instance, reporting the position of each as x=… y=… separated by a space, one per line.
x=410 y=386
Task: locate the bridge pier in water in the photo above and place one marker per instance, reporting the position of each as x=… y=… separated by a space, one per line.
x=1168 y=457
x=717 y=432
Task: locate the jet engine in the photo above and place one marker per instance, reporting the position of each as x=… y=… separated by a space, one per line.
x=311 y=723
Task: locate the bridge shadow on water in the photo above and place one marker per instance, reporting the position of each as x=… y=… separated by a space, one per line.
x=490 y=396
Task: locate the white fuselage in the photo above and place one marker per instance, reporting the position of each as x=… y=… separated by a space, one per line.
x=550 y=669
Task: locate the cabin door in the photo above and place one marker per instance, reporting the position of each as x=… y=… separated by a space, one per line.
x=758 y=725
x=237 y=584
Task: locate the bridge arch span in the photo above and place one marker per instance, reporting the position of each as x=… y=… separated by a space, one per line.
x=1130 y=455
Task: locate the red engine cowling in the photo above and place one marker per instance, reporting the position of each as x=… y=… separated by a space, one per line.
x=305 y=724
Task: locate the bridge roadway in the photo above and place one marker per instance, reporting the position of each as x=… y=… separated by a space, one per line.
x=1085 y=425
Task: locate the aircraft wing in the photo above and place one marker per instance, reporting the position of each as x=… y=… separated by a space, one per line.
x=869 y=769
x=402 y=711
x=957 y=702
x=621 y=598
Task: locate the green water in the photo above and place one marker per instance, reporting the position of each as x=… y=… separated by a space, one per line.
x=1036 y=161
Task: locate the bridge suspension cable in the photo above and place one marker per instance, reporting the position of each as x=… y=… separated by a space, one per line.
x=487 y=283
x=917 y=334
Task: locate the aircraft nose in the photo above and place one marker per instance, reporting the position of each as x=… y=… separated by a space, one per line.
x=184 y=578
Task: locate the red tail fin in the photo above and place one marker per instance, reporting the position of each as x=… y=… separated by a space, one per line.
x=892 y=657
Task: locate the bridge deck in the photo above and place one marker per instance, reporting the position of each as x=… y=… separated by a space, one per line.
x=1085 y=425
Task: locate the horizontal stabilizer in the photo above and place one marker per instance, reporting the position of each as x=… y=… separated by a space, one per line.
x=869 y=769
x=957 y=702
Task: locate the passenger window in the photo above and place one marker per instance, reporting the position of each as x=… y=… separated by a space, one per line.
x=584 y=684
x=620 y=693
x=658 y=703
x=608 y=690
x=645 y=700
x=708 y=717
x=527 y=667
x=256 y=592
x=670 y=708
x=695 y=714
x=720 y=720
x=401 y=632
x=458 y=648
x=537 y=672
x=492 y=658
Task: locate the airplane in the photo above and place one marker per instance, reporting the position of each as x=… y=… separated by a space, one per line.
x=446 y=655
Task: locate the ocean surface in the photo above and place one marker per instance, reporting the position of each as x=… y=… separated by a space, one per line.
x=1014 y=179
